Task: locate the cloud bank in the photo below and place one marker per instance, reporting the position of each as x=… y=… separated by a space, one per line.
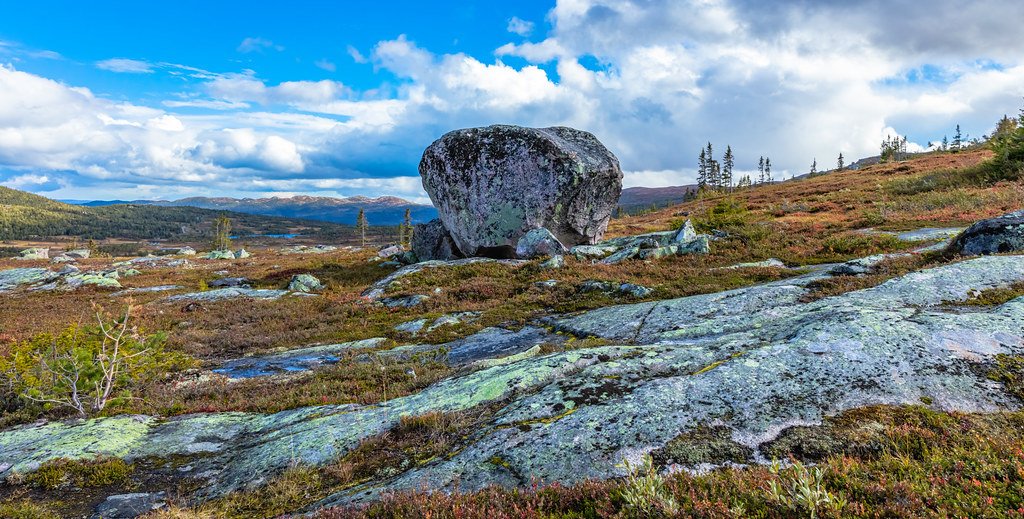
x=653 y=79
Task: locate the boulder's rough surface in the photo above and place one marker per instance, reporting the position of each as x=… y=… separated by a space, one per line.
x=491 y=185
x=1002 y=234
x=537 y=243
x=431 y=242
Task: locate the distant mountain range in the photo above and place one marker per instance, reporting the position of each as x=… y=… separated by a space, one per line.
x=644 y=197
x=385 y=210
x=26 y=215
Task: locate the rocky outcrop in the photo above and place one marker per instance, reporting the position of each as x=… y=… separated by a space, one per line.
x=992 y=236
x=492 y=185
x=753 y=361
x=431 y=242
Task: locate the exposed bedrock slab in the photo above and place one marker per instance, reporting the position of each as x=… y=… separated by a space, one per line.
x=753 y=360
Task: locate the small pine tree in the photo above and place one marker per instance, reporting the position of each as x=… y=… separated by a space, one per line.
x=768 y=169
x=362 y=225
x=727 y=164
x=760 y=170
x=840 y=163
x=958 y=140
x=814 y=166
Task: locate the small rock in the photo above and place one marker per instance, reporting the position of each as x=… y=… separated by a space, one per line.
x=407 y=258
x=413 y=327
x=635 y=290
x=220 y=255
x=768 y=263
x=538 y=242
x=554 y=262
x=595 y=286
x=390 y=264
x=550 y=283
x=992 y=236
x=63 y=258
x=389 y=250
x=187 y=251
x=686 y=233
x=129 y=506
x=453 y=319
x=229 y=283
x=68 y=269
x=404 y=302
x=35 y=253
x=242 y=254
x=583 y=252
x=78 y=253
x=305 y=283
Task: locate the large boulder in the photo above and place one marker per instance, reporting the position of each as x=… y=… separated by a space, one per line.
x=492 y=185
x=431 y=241
x=995 y=235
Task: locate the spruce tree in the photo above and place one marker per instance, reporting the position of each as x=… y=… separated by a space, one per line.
x=702 y=170
x=768 y=169
x=841 y=165
x=727 y=164
x=362 y=225
x=945 y=143
x=957 y=139
x=814 y=167
x=760 y=170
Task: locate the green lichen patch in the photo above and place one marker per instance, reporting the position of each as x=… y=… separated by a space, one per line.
x=704 y=444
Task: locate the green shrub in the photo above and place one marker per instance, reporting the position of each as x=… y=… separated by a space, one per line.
x=644 y=492
x=802 y=490
x=87 y=368
x=25 y=509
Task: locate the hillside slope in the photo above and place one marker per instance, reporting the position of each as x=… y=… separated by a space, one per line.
x=24 y=215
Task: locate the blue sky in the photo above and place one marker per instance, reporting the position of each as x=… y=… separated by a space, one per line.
x=145 y=100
